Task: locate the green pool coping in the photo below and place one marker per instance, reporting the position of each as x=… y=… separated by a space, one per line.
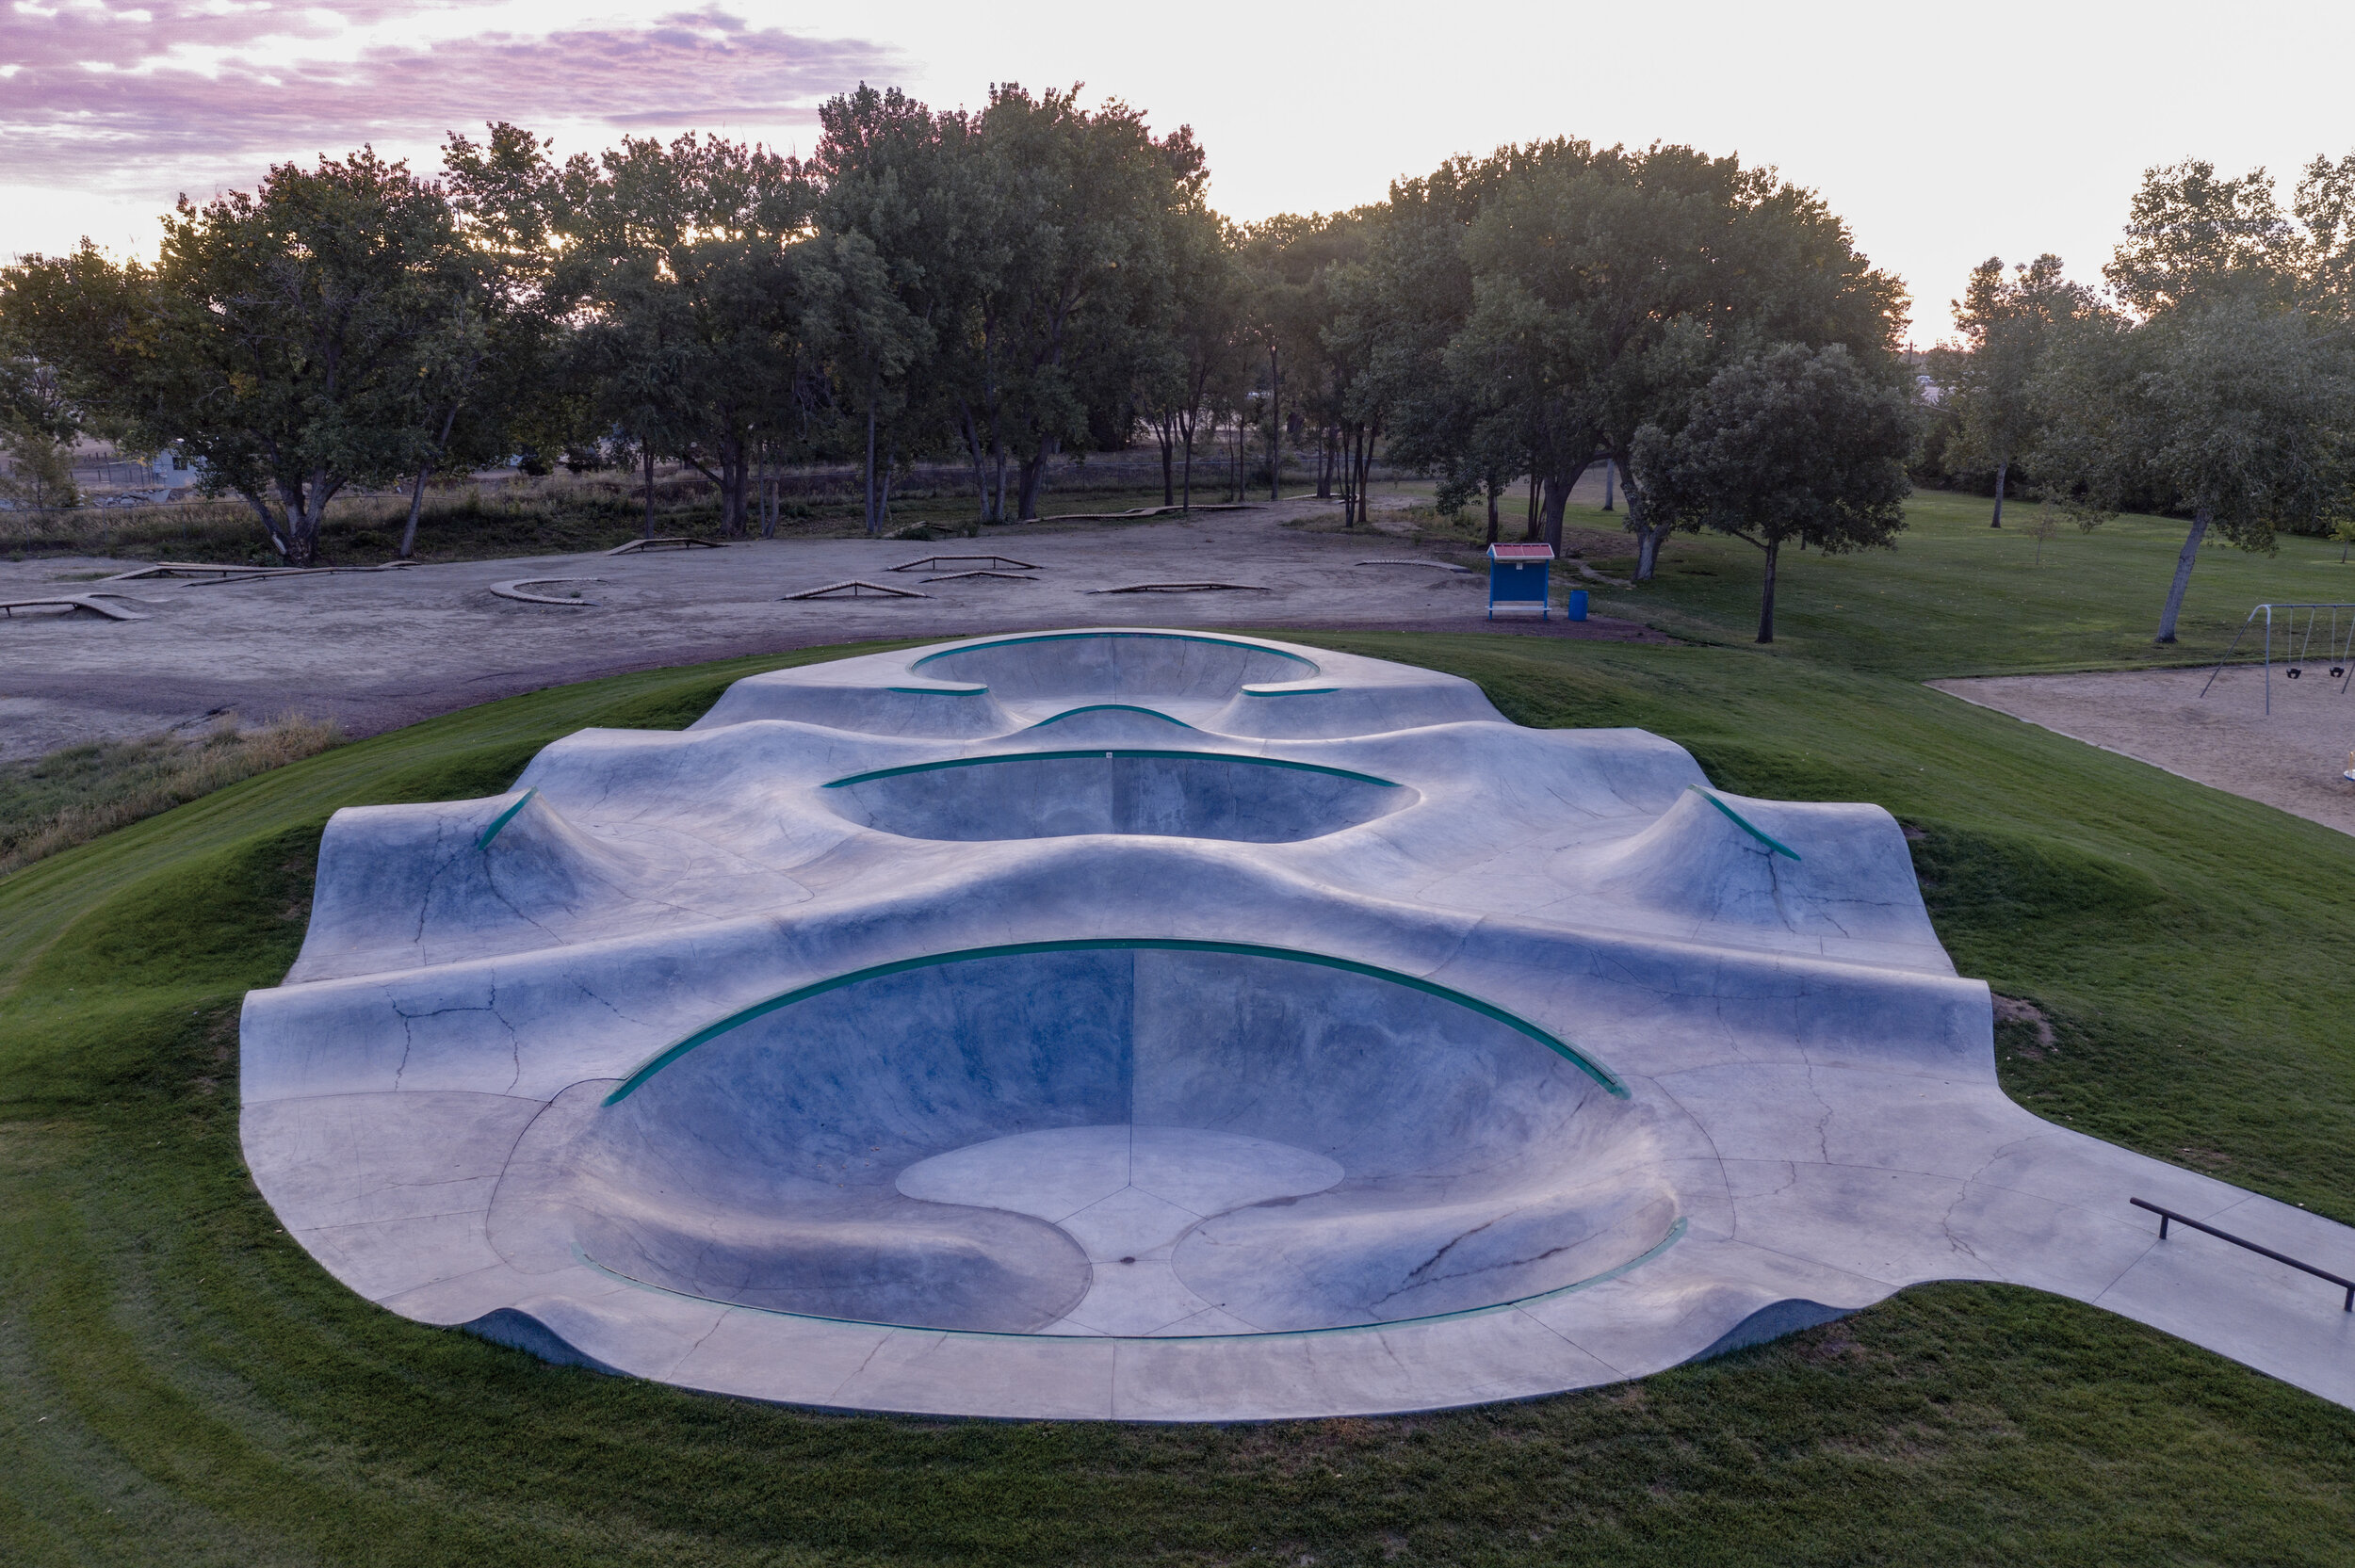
x=736 y=1020
x=1105 y=752
x=504 y=817
x=1070 y=636
x=1742 y=822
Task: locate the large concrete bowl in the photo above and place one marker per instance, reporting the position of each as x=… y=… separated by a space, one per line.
x=1122 y=1139
x=1170 y=794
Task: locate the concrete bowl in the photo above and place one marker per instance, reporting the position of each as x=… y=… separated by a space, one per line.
x=1099 y=1139
x=1171 y=794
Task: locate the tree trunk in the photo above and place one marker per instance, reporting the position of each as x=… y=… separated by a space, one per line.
x=649 y=457
x=1168 y=439
x=2001 y=470
x=1766 y=603
x=875 y=520
x=1492 y=487
x=2201 y=517
x=1033 y=475
x=416 y=504
x=1555 y=496
x=1530 y=528
x=1186 y=490
x=1274 y=426
x=1609 y=471
x=416 y=496
x=1647 y=540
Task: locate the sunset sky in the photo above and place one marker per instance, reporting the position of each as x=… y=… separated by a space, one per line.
x=1941 y=135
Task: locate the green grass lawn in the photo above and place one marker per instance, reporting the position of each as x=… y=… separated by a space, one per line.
x=179 y=1384
x=1956 y=597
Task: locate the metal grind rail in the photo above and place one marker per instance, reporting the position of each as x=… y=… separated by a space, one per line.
x=2167 y=1215
x=2298 y=644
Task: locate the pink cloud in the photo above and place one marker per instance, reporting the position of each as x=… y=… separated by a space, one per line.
x=152 y=114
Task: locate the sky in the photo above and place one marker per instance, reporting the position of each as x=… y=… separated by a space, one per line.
x=1941 y=135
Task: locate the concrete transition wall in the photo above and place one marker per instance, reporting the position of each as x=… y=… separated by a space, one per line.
x=1170 y=1025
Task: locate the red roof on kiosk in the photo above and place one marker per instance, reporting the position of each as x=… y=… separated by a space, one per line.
x=1520 y=552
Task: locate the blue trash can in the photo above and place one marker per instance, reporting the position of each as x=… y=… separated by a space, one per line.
x=1574 y=608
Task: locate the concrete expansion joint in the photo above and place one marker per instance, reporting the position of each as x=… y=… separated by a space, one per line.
x=1061 y=1024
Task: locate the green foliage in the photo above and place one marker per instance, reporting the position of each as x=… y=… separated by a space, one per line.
x=278 y=341
x=1784 y=445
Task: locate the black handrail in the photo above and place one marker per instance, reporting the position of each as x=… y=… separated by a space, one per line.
x=2167 y=1214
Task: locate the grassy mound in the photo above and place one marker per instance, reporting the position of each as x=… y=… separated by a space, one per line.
x=179 y=1384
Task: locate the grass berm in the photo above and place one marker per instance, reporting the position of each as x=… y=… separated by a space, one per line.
x=179 y=1384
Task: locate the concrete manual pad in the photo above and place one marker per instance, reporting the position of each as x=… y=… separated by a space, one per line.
x=1140 y=1024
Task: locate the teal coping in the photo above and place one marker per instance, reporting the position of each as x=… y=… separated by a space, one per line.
x=1676 y=1233
x=1112 y=707
x=1068 y=636
x=1104 y=752
x=940 y=691
x=1742 y=823
x=504 y=817
x=710 y=1032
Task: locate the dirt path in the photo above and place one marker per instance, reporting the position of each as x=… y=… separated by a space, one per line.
x=375 y=651
x=2291 y=758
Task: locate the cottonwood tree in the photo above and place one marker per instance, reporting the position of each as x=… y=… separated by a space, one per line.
x=1201 y=351
x=889 y=172
x=276 y=340
x=487 y=366
x=1744 y=260
x=2223 y=387
x=710 y=303
x=2008 y=326
x=1791 y=443
x=1063 y=215
x=2230 y=409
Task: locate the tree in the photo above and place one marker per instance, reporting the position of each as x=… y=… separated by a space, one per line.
x=2230 y=409
x=2008 y=326
x=275 y=341
x=1060 y=218
x=1789 y=443
x=709 y=303
x=2191 y=235
x=1200 y=349
x=2222 y=389
x=36 y=431
x=887 y=168
x=486 y=367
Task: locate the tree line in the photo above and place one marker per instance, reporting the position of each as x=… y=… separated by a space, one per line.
x=2213 y=377
x=1005 y=285
x=1035 y=280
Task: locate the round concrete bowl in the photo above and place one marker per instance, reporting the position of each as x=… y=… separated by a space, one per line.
x=1170 y=794
x=1094 y=1138
x=1131 y=666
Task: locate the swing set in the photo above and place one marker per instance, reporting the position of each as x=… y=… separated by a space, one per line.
x=2300 y=625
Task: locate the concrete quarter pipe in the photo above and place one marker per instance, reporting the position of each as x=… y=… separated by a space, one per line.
x=1167 y=1026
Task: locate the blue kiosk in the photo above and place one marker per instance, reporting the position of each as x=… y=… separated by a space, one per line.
x=1519 y=577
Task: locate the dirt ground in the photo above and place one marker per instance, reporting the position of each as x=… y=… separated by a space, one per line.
x=2291 y=758
x=377 y=650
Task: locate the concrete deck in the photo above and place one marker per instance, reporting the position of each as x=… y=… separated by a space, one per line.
x=1170 y=1025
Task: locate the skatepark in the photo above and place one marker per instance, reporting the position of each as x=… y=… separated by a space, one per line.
x=1169 y=1025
